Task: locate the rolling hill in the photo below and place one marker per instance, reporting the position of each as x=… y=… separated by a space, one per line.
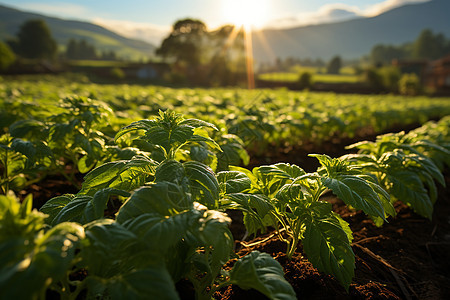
x=354 y=38
x=63 y=30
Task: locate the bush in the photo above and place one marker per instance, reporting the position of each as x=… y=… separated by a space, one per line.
x=373 y=78
x=384 y=79
x=305 y=80
x=7 y=57
x=117 y=73
x=409 y=84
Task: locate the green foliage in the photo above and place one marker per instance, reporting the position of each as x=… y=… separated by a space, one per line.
x=402 y=168
x=162 y=233
x=117 y=73
x=7 y=56
x=409 y=84
x=184 y=42
x=284 y=196
x=260 y=272
x=35 y=40
x=161 y=179
x=31 y=254
x=430 y=46
x=305 y=80
x=169 y=133
x=383 y=78
x=335 y=65
x=427 y=45
x=79 y=50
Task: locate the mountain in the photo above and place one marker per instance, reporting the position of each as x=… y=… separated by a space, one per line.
x=354 y=38
x=63 y=30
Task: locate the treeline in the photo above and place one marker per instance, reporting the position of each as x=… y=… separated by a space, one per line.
x=286 y=64
x=81 y=49
x=428 y=45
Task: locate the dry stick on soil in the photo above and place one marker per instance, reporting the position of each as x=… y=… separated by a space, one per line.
x=390 y=268
x=369 y=239
x=261 y=241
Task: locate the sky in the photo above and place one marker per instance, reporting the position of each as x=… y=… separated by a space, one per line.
x=151 y=20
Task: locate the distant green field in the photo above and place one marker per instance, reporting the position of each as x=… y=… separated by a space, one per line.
x=97 y=63
x=317 y=77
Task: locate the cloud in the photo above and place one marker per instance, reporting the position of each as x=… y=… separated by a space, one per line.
x=142 y=31
x=326 y=14
x=337 y=12
x=384 y=6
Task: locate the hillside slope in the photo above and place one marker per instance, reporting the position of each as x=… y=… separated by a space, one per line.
x=63 y=30
x=354 y=38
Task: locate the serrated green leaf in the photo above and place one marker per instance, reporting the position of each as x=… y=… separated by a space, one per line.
x=48 y=257
x=172 y=171
x=203 y=184
x=428 y=165
x=27 y=128
x=163 y=198
x=233 y=182
x=79 y=208
x=153 y=282
x=53 y=206
x=141 y=125
x=196 y=123
x=407 y=186
x=270 y=179
x=356 y=192
x=327 y=243
x=262 y=273
x=122 y=175
x=256 y=209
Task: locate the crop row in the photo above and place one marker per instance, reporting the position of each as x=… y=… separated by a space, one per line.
x=260 y=117
x=140 y=225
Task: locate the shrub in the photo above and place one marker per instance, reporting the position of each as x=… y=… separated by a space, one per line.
x=7 y=56
x=409 y=84
x=305 y=80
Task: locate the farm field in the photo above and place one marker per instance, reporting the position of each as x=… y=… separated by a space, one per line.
x=316 y=77
x=203 y=193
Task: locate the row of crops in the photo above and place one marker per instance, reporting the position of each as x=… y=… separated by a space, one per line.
x=150 y=211
x=260 y=117
x=140 y=225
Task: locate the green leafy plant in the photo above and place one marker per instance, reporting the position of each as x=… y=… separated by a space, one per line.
x=289 y=199
x=34 y=255
x=166 y=229
x=402 y=169
x=21 y=162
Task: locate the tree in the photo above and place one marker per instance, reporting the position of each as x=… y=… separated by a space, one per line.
x=430 y=46
x=35 y=40
x=305 y=80
x=385 y=54
x=334 y=66
x=227 y=51
x=80 y=50
x=184 y=44
x=7 y=57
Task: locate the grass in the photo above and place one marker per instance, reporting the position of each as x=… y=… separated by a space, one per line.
x=347 y=75
x=98 y=63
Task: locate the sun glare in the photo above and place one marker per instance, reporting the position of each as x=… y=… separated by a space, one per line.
x=247 y=13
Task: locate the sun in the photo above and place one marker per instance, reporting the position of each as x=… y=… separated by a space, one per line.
x=247 y=13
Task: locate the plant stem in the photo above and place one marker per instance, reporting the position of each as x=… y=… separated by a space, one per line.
x=295 y=239
x=6 y=187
